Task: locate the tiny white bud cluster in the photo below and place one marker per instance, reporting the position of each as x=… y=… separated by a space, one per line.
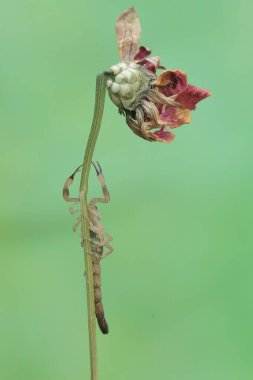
x=126 y=83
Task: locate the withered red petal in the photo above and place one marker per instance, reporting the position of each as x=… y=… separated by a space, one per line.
x=162 y=135
x=142 y=53
x=190 y=96
x=176 y=116
x=151 y=63
x=171 y=82
x=148 y=65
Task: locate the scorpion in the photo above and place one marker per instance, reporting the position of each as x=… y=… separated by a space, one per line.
x=98 y=237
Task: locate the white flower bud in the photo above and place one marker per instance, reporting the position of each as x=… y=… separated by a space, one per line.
x=127 y=75
x=119 y=78
x=134 y=75
x=122 y=65
x=124 y=89
x=127 y=83
x=115 y=88
x=115 y=69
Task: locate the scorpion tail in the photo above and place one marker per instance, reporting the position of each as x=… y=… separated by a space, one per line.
x=103 y=325
x=99 y=310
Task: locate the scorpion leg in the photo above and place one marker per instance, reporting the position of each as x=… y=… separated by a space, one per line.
x=103 y=243
x=72 y=210
x=97 y=244
x=106 y=244
x=69 y=182
x=101 y=179
x=109 y=237
x=109 y=247
x=99 y=230
x=76 y=224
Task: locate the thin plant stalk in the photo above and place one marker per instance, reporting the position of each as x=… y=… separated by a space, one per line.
x=95 y=127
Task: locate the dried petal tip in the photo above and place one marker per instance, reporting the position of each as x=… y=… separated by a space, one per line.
x=128 y=32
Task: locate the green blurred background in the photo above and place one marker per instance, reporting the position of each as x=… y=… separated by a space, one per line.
x=178 y=289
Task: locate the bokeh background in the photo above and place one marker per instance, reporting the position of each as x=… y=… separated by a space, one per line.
x=178 y=289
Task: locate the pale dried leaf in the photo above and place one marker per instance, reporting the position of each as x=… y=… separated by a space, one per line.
x=128 y=31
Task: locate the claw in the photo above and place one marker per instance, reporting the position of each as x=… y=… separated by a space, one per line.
x=76 y=171
x=97 y=171
x=97 y=167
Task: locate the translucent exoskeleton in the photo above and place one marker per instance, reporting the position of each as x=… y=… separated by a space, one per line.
x=98 y=237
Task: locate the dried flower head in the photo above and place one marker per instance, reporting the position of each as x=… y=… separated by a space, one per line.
x=149 y=102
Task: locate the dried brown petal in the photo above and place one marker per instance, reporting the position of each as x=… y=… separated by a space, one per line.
x=128 y=31
x=176 y=79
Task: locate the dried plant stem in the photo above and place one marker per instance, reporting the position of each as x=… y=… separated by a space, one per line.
x=95 y=127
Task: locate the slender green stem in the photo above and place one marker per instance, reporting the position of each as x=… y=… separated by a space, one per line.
x=95 y=127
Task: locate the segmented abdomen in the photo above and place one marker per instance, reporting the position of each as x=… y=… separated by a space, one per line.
x=99 y=310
